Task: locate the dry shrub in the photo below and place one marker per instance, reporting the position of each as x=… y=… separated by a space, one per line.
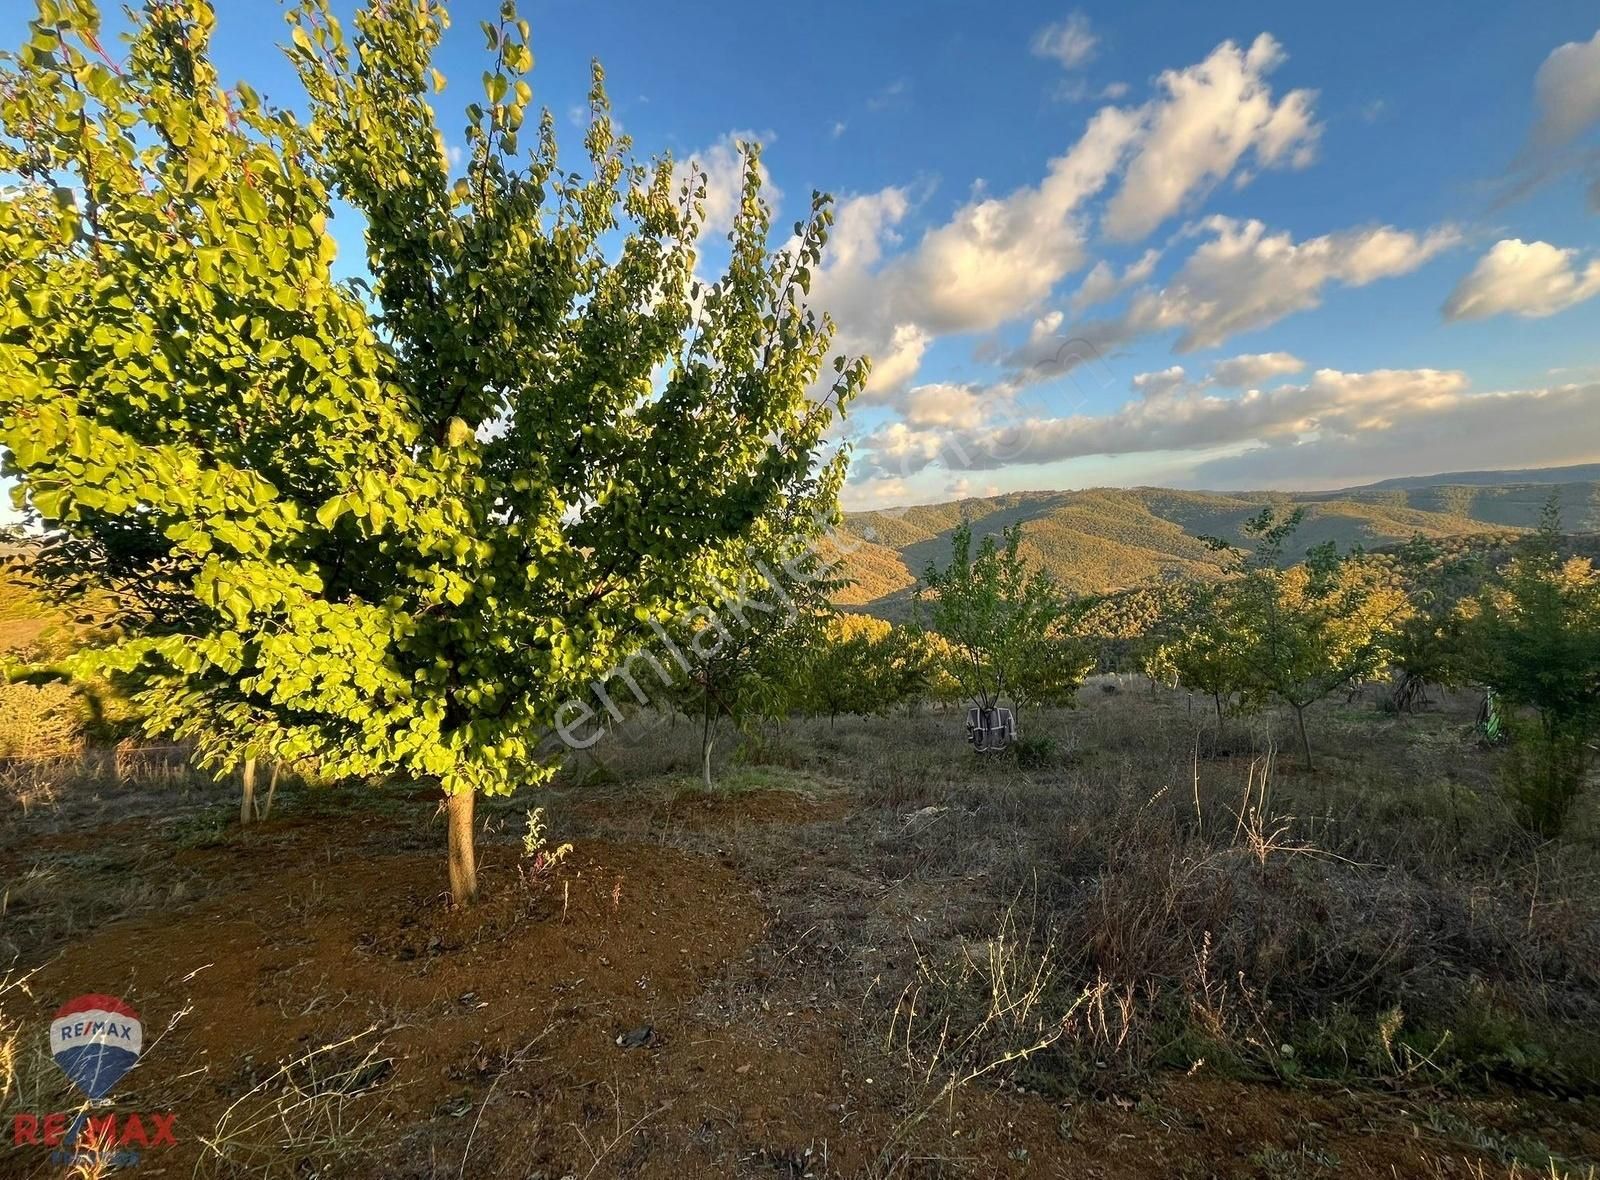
x=39 y=721
x=311 y=1111
x=1245 y=942
x=995 y=1003
x=1206 y=921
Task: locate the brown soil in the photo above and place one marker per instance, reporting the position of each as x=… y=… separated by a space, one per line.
x=698 y=810
x=483 y=1042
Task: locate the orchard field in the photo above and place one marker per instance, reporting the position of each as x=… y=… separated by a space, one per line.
x=1152 y=950
x=445 y=730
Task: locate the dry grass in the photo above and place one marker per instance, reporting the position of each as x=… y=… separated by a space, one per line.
x=316 y=1107
x=1383 y=920
x=39 y=721
x=1149 y=896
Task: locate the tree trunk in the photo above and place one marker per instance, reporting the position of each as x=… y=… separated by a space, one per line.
x=463 y=858
x=707 y=734
x=272 y=789
x=1305 y=741
x=247 y=796
x=1217 y=697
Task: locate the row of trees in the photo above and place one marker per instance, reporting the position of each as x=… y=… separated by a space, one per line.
x=988 y=628
x=1293 y=635
x=393 y=527
x=1529 y=631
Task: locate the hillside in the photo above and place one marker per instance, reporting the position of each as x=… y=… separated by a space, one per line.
x=1102 y=539
x=26 y=619
x=1545 y=476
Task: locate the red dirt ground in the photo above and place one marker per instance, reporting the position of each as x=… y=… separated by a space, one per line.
x=485 y=1039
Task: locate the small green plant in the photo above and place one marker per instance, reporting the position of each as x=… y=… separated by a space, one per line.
x=1000 y=619
x=536 y=844
x=1534 y=635
x=1278 y=1163
x=1036 y=753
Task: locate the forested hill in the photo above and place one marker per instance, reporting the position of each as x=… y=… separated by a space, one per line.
x=1103 y=539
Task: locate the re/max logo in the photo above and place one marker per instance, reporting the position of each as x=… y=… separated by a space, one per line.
x=96 y=1133
x=114 y=1030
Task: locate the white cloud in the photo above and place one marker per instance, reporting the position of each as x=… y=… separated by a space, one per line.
x=1247 y=277
x=1242 y=279
x=722 y=164
x=1154 y=386
x=875 y=493
x=1213 y=113
x=943 y=405
x=1519 y=428
x=1566 y=99
x=996 y=258
x=1171 y=415
x=898 y=448
x=1566 y=91
x=1070 y=42
x=896 y=362
x=1253 y=368
x=1102 y=283
x=1523 y=278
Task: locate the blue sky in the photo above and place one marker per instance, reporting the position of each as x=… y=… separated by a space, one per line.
x=1365 y=233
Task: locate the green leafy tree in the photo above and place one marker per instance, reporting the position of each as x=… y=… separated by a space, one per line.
x=1209 y=645
x=1534 y=638
x=1313 y=628
x=1048 y=671
x=742 y=652
x=995 y=613
x=864 y=666
x=1425 y=646
x=391 y=527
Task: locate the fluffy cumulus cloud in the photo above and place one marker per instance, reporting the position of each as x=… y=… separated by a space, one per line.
x=944 y=405
x=1247 y=276
x=1213 y=114
x=1566 y=92
x=1163 y=383
x=1103 y=283
x=997 y=258
x=1243 y=277
x=992 y=261
x=1523 y=278
x=1334 y=424
x=1071 y=42
x=1251 y=369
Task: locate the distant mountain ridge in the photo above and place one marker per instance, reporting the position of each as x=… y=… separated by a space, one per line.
x=1579 y=473
x=1101 y=539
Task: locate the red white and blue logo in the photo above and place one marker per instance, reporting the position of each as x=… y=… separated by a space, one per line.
x=95 y=1040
